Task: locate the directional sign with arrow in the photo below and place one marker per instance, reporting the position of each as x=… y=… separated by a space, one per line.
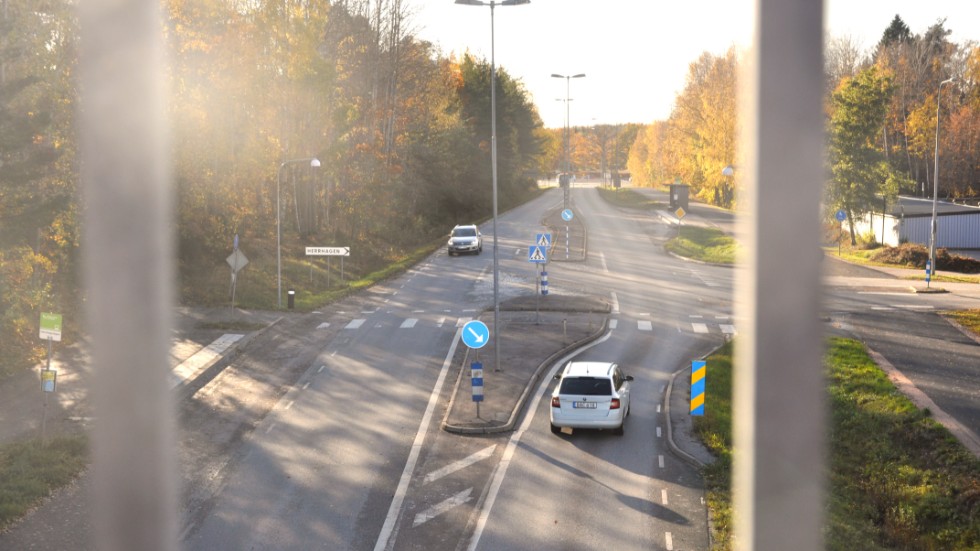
x=476 y=334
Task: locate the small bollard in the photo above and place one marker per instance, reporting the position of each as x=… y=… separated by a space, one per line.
x=290 y=298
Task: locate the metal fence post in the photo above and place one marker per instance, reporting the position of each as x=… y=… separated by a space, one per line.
x=128 y=258
x=779 y=385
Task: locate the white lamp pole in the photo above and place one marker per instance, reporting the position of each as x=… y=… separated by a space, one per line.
x=568 y=124
x=314 y=163
x=493 y=164
x=935 y=184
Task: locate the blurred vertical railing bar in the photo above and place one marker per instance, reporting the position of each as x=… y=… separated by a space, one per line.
x=128 y=261
x=779 y=403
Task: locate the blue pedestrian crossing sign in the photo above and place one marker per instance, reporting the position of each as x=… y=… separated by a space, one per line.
x=537 y=255
x=475 y=334
x=543 y=240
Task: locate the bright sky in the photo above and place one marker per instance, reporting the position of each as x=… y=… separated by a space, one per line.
x=635 y=53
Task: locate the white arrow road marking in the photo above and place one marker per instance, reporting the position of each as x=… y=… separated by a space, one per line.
x=396 y=501
x=409 y=323
x=461 y=464
x=440 y=508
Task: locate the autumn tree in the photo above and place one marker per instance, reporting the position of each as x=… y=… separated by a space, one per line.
x=698 y=139
x=858 y=167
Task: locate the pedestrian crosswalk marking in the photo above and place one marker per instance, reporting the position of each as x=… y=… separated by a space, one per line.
x=727 y=329
x=355 y=323
x=644 y=325
x=409 y=323
x=700 y=327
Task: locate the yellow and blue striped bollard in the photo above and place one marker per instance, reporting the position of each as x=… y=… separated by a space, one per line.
x=698 y=372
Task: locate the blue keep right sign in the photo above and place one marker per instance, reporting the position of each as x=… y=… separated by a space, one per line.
x=476 y=334
x=567 y=215
x=841 y=215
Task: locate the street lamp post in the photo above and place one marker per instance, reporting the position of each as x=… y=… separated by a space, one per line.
x=493 y=165
x=568 y=130
x=935 y=186
x=314 y=163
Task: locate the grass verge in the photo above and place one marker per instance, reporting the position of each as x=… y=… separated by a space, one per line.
x=30 y=471
x=703 y=244
x=627 y=198
x=969 y=319
x=864 y=258
x=896 y=479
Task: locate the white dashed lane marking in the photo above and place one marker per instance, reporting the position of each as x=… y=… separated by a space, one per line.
x=355 y=324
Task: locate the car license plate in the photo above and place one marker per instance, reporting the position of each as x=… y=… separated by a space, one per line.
x=584 y=405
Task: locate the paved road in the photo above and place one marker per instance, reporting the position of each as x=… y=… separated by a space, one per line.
x=666 y=313
x=306 y=435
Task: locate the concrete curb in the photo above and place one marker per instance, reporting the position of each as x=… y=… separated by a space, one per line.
x=522 y=401
x=969 y=439
x=695 y=462
x=670 y=426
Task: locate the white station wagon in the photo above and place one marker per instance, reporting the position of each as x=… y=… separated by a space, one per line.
x=590 y=395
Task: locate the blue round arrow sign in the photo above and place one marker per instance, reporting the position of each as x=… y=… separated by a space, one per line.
x=567 y=214
x=475 y=334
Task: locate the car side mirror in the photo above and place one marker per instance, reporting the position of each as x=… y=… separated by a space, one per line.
x=557 y=377
x=629 y=377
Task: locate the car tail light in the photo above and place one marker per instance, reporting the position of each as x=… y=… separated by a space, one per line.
x=555 y=402
x=614 y=404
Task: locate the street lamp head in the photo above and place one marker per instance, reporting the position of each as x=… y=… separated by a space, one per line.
x=514 y=2
x=471 y=2
x=580 y=75
x=556 y=75
x=314 y=162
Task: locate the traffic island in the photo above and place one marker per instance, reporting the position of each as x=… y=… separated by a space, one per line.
x=531 y=341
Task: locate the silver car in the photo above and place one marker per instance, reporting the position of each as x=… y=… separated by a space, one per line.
x=591 y=395
x=465 y=239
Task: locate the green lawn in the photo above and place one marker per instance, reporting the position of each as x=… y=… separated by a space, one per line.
x=703 y=244
x=897 y=479
x=30 y=471
x=627 y=198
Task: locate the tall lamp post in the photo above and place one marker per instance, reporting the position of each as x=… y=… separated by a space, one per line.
x=568 y=135
x=935 y=185
x=314 y=163
x=493 y=165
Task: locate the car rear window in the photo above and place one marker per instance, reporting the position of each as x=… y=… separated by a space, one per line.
x=586 y=386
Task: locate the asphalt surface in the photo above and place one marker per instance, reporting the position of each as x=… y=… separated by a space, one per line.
x=536 y=333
